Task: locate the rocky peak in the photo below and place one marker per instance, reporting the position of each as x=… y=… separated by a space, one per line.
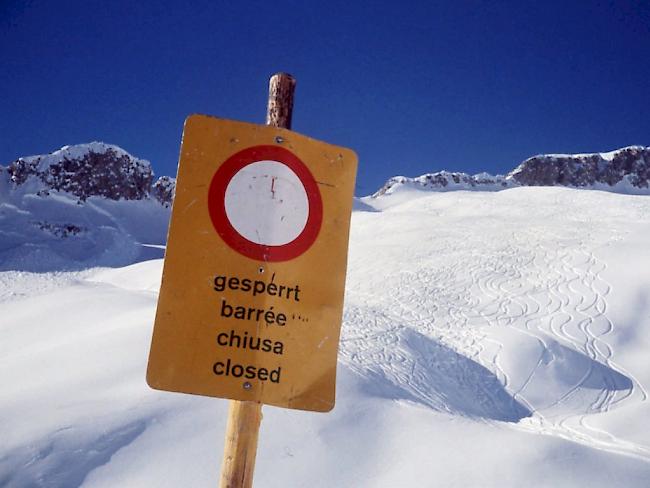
x=86 y=170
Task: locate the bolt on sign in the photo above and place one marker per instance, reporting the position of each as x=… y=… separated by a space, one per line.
x=251 y=299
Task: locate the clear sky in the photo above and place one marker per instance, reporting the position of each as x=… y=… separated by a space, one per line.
x=413 y=87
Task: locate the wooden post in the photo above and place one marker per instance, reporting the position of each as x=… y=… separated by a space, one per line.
x=280 y=108
x=244 y=418
x=241 y=444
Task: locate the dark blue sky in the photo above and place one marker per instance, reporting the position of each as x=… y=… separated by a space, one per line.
x=411 y=86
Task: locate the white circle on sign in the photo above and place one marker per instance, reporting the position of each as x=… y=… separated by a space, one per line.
x=266 y=203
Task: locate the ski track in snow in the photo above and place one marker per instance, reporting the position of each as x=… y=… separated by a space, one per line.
x=553 y=295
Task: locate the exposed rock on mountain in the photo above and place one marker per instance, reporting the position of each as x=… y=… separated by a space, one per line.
x=164 y=190
x=625 y=170
x=630 y=165
x=446 y=181
x=86 y=170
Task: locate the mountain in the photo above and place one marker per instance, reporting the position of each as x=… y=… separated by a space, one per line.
x=84 y=205
x=625 y=170
x=94 y=169
x=95 y=204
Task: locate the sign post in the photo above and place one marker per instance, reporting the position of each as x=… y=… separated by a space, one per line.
x=251 y=299
x=244 y=417
x=240 y=447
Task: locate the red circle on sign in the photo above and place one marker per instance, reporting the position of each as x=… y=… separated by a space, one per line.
x=225 y=229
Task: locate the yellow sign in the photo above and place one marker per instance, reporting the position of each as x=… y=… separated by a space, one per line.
x=252 y=291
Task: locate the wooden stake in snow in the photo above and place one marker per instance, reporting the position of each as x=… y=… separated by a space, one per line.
x=280 y=107
x=244 y=418
x=241 y=444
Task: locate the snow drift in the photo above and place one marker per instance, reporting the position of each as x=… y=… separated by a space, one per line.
x=86 y=205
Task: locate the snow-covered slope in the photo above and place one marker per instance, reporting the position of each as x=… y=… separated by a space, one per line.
x=490 y=339
x=86 y=205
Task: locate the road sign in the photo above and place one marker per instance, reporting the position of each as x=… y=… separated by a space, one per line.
x=265 y=203
x=252 y=292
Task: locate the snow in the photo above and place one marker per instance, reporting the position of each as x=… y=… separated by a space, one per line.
x=492 y=339
x=624 y=186
x=46 y=231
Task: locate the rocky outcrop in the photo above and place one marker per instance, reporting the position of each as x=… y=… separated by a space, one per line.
x=446 y=181
x=630 y=165
x=86 y=170
x=164 y=190
x=625 y=170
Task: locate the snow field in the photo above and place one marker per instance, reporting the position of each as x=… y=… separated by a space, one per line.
x=489 y=339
